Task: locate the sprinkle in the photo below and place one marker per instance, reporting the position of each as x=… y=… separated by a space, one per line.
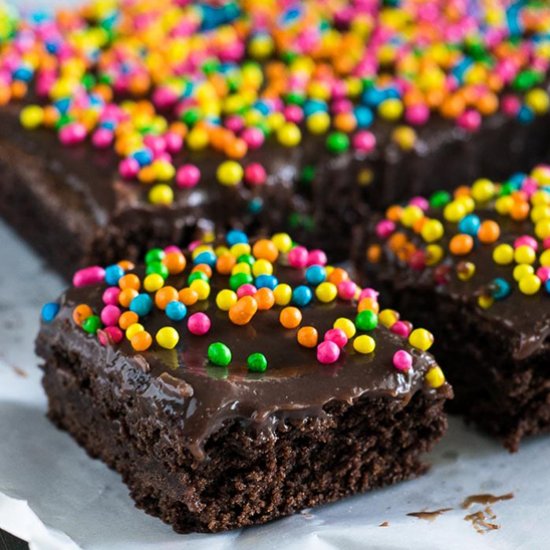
x=49 y=312
x=242 y=312
x=503 y=254
x=229 y=173
x=308 y=337
x=529 y=284
x=421 y=339
x=198 y=324
x=89 y=276
x=290 y=317
x=366 y=320
x=91 y=324
x=402 y=360
x=337 y=336
x=364 y=344
x=167 y=337
x=256 y=362
x=327 y=352
x=435 y=377
x=346 y=325
x=141 y=340
x=219 y=354
x=175 y=310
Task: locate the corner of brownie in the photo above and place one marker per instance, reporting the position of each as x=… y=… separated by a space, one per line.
x=234 y=384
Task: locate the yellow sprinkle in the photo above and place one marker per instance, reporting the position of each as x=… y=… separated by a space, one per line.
x=435 y=377
x=421 y=338
x=347 y=325
x=503 y=254
x=364 y=344
x=529 y=284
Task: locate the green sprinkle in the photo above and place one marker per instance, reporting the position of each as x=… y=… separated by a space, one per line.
x=197 y=275
x=440 y=199
x=219 y=354
x=366 y=320
x=91 y=324
x=239 y=279
x=257 y=362
x=337 y=142
x=246 y=259
x=154 y=255
x=157 y=267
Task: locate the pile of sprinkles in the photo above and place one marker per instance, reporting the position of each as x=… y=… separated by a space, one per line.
x=506 y=226
x=241 y=277
x=159 y=80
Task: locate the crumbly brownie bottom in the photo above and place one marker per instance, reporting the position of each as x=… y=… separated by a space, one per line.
x=248 y=477
x=509 y=399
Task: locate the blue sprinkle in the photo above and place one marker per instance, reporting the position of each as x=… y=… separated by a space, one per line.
x=373 y=97
x=547 y=286
x=314 y=106
x=364 y=116
x=141 y=304
x=206 y=257
x=315 y=274
x=113 y=273
x=470 y=225
x=266 y=281
x=236 y=236
x=49 y=311
x=143 y=156
x=256 y=205
x=176 y=311
x=23 y=73
x=302 y=295
x=63 y=105
x=525 y=115
x=501 y=288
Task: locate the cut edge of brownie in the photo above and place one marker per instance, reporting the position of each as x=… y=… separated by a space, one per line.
x=250 y=476
x=506 y=397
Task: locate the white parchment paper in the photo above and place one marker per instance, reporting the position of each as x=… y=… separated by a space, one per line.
x=57 y=498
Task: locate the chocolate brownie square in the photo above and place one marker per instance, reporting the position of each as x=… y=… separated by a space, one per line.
x=236 y=384
x=123 y=128
x=474 y=267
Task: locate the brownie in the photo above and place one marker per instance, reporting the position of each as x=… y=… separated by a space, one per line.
x=264 y=395
x=474 y=267
x=121 y=151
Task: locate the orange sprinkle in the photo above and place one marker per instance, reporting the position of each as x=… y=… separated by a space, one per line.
x=338 y=275
x=265 y=298
x=519 y=210
x=165 y=295
x=225 y=263
x=81 y=312
x=308 y=337
x=265 y=249
x=242 y=312
x=290 y=317
x=203 y=268
x=130 y=280
x=175 y=262
x=368 y=303
x=127 y=318
x=188 y=296
x=126 y=296
x=461 y=244
x=141 y=341
x=489 y=232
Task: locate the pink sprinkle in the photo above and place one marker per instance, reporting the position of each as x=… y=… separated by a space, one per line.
x=255 y=174
x=316 y=257
x=102 y=138
x=128 y=168
x=384 y=229
x=234 y=123
x=110 y=295
x=546 y=243
x=402 y=360
x=110 y=315
x=368 y=293
x=347 y=290
x=172 y=248
x=298 y=257
x=246 y=290
x=470 y=120
x=188 y=176
x=72 y=134
x=89 y=276
x=164 y=97
x=543 y=273
x=511 y=105
x=401 y=328
x=327 y=352
x=198 y=324
x=364 y=141
x=109 y=335
x=421 y=202
x=293 y=113
x=253 y=137
x=526 y=240
x=174 y=142
x=417 y=114
x=155 y=143
x=336 y=335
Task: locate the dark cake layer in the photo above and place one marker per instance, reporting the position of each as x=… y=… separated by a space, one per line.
x=248 y=478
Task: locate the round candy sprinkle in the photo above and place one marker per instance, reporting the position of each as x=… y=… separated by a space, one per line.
x=327 y=352
x=49 y=312
x=366 y=320
x=337 y=336
x=167 y=337
x=219 y=354
x=290 y=317
x=345 y=325
x=529 y=284
x=198 y=324
x=364 y=344
x=256 y=362
x=91 y=324
x=302 y=295
x=81 y=312
x=402 y=360
x=175 y=310
x=141 y=341
x=435 y=377
x=308 y=337
x=422 y=339
x=141 y=304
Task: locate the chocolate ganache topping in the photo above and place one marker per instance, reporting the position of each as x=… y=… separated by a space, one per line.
x=257 y=331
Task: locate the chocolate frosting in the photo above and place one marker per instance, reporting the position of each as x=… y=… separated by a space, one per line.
x=526 y=318
x=205 y=396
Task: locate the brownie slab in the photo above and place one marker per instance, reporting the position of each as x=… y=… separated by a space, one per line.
x=159 y=130
x=209 y=436
x=474 y=268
